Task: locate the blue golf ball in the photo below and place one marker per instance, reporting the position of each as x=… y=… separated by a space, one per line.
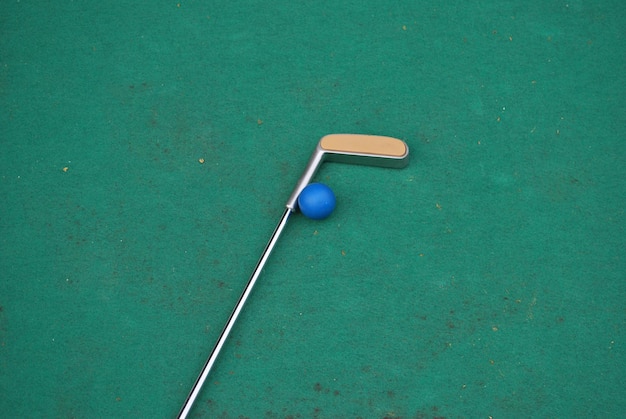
x=316 y=201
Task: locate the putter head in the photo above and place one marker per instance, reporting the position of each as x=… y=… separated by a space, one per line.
x=371 y=150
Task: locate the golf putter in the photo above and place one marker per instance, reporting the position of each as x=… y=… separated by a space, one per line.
x=372 y=150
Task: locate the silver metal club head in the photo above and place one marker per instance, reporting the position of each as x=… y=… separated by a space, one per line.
x=371 y=150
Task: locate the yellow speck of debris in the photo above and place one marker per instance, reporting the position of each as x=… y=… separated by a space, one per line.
x=404 y=27
x=494 y=328
x=315 y=233
x=65 y=169
x=438 y=205
x=259 y=121
x=343 y=253
x=201 y=160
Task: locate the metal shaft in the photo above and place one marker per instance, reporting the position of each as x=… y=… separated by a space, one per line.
x=233 y=317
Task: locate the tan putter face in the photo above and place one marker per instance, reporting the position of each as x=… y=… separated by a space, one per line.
x=373 y=145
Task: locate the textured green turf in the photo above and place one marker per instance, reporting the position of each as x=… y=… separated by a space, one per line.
x=147 y=150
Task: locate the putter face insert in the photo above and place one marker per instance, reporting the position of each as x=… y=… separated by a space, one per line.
x=370 y=150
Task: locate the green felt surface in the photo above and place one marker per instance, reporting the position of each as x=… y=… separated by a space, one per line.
x=486 y=279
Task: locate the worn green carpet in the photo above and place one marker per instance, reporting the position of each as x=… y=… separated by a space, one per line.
x=148 y=149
